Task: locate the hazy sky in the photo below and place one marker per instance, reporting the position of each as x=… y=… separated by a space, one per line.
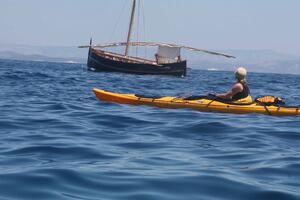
x=211 y=24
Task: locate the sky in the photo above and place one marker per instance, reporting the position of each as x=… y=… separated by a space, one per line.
x=209 y=24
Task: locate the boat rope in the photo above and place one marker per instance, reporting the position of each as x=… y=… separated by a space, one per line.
x=138 y=26
x=209 y=103
x=266 y=108
x=144 y=27
x=116 y=44
x=118 y=21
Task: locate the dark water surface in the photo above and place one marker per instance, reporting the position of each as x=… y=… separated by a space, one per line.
x=58 y=142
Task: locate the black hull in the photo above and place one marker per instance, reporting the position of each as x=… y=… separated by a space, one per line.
x=100 y=63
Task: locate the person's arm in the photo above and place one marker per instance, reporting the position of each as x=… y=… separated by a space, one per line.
x=235 y=89
x=227 y=95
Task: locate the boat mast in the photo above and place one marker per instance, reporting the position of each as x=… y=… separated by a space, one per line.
x=130 y=27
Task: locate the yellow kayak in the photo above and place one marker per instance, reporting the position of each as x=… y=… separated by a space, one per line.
x=201 y=103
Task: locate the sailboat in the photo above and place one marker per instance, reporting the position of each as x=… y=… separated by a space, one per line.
x=167 y=60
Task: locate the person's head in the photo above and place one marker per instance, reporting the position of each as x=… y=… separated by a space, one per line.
x=240 y=74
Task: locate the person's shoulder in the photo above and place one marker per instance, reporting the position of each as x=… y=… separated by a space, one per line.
x=237 y=86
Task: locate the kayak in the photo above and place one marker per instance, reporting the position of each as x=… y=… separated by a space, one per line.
x=200 y=103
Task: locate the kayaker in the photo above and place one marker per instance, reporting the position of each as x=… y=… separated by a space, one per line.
x=240 y=89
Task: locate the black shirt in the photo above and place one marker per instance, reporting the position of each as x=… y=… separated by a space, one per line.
x=242 y=94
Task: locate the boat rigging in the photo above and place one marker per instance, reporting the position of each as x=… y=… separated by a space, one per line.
x=167 y=60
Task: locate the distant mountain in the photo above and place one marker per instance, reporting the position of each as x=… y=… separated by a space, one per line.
x=255 y=60
x=49 y=51
x=40 y=53
x=18 y=56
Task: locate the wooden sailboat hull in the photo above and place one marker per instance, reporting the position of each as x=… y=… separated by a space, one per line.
x=100 y=62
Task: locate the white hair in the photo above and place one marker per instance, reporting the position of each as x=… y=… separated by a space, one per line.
x=241 y=73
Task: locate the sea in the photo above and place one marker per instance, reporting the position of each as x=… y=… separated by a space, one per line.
x=57 y=141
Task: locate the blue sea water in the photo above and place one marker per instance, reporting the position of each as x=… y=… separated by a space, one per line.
x=57 y=141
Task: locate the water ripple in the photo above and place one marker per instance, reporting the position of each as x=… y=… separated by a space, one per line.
x=59 y=142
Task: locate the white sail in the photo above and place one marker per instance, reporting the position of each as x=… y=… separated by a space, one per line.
x=167 y=54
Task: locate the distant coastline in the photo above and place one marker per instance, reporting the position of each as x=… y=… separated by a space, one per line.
x=266 y=61
x=41 y=58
